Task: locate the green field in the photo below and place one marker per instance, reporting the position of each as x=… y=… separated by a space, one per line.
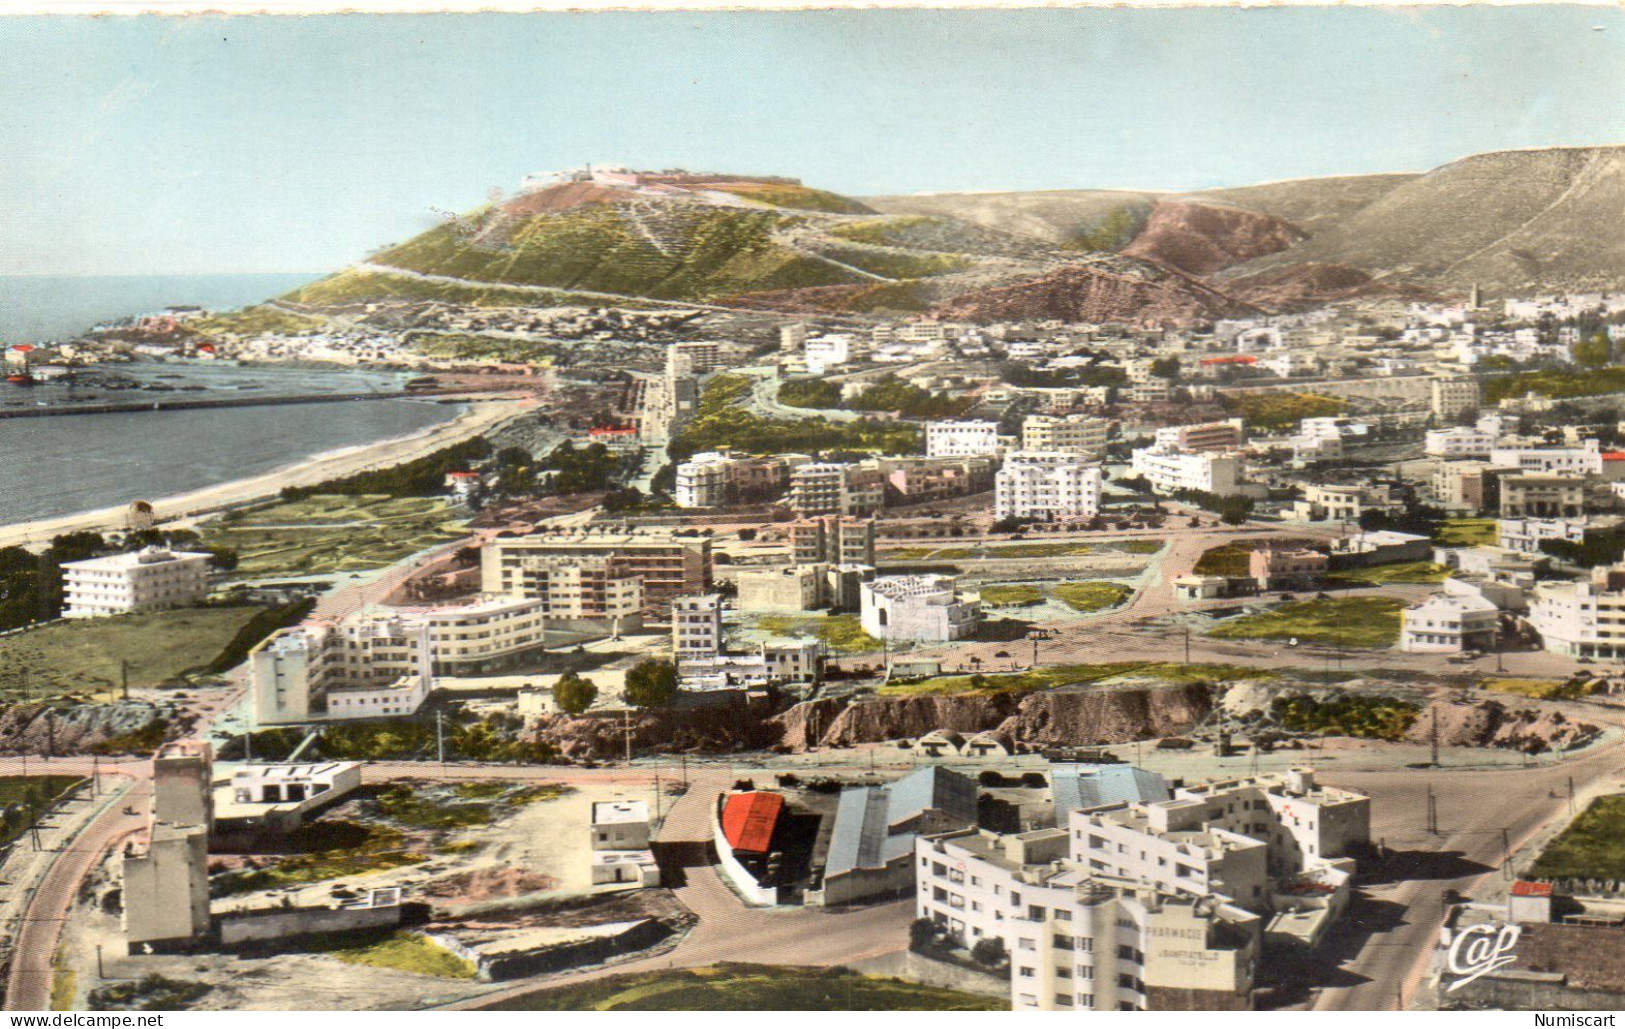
x=721 y=424
x=744 y=987
x=1538 y=689
x=842 y=634
x=1593 y=847
x=408 y=952
x=81 y=656
x=1232 y=560
x=19 y=794
x=1467 y=532
x=1019 y=595
x=1280 y=410
x=1555 y=383
x=1091 y=596
x=1052 y=676
x=1364 y=622
x=1414 y=572
x=328 y=534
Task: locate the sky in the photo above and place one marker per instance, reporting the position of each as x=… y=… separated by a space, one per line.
x=187 y=145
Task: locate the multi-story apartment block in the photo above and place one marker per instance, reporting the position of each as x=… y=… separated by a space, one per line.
x=1448 y=624
x=925 y=608
x=1080 y=940
x=919 y=480
x=1453 y=396
x=1345 y=503
x=1275 y=568
x=1226 y=435
x=833 y=350
x=821 y=488
x=1583 y=460
x=1072 y=434
x=1047 y=484
x=377 y=667
x=141 y=581
x=667 y=566
x=713 y=479
x=961 y=439
x=702 y=481
x=1169 y=471
x=833 y=540
x=1462 y=441
x=1525 y=535
x=1582 y=619
x=696 y=628
x=1471 y=486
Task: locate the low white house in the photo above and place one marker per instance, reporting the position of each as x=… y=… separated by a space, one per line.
x=1448 y=624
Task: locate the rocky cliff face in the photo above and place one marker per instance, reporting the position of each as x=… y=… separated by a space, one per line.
x=1083 y=293
x=1491 y=723
x=1314 y=285
x=1072 y=717
x=1200 y=239
x=126 y=727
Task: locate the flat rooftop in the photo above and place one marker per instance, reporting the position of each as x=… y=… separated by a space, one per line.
x=613 y=812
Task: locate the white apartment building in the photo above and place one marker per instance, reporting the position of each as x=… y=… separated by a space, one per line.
x=1582 y=619
x=831 y=351
x=1462 y=441
x=823 y=488
x=1525 y=535
x=696 y=627
x=923 y=608
x=374 y=668
x=1047 y=484
x=1448 y=624
x=961 y=439
x=1081 y=941
x=702 y=481
x=1072 y=434
x=145 y=580
x=1170 y=471
x=1585 y=459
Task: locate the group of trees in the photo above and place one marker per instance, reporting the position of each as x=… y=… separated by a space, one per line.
x=1016 y=373
x=651 y=683
x=422 y=477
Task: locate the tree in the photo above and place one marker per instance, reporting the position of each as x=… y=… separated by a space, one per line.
x=574 y=694
x=989 y=951
x=651 y=683
x=1594 y=352
x=922 y=933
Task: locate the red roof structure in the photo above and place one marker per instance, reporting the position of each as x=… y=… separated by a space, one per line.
x=1522 y=888
x=748 y=820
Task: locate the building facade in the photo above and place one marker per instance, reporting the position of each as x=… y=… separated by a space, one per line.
x=145 y=580
x=1050 y=485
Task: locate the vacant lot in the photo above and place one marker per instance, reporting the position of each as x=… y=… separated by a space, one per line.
x=1421 y=572
x=1592 y=848
x=741 y=987
x=842 y=634
x=1091 y=596
x=82 y=656
x=1539 y=689
x=326 y=534
x=1466 y=532
x=1366 y=622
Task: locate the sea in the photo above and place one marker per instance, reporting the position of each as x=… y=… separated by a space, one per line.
x=63 y=464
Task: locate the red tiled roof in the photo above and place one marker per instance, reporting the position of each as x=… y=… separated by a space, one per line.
x=748 y=820
x=1613 y=455
x=1529 y=889
x=1238 y=359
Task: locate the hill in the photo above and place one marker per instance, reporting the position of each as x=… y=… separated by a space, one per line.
x=1516 y=222
x=1200 y=239
x=1087 y=293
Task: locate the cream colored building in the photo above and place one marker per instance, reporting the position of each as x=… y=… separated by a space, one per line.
x=1050 y=485
x=166 y=887
x=1073 y=433
x=145 y=580
x=585 y=574
x=1582 y=619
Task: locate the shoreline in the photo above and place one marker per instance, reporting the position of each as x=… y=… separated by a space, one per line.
x=484 y=413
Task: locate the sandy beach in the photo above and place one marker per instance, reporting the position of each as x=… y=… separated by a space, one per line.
x=484 y=413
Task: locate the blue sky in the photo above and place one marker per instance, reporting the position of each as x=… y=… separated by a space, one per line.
x=184 y=145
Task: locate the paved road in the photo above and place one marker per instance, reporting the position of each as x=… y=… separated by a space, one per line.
x=1396 y=921
x=28 y=986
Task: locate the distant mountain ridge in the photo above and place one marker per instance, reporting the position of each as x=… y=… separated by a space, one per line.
x=1514 y=222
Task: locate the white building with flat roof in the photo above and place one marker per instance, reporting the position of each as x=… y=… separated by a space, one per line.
x=1072 y=433
x=696 y=627
x=1448 y=624
x=144 y=580
x=1047 y=484
x=961 y=439
x=1170 y=471
x=922 y=608
x=1582 y=619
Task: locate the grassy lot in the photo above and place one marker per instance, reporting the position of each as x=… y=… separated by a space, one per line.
x=1593 y=847
x=1420 y=572
x=254 y=321
x=325 y=534
x=1049 y=677
x=1006 y=551
x=1091 y=596
x=1537 y=689
x=154 y=993
x=1357 y=714
x=1280 y=410
x=842 y=634
x=1555 y=383
x=466 y=804
x=1012 y=596
x=743 y=987
x=1466 y=532
x=1365 y=622
x=333 y=850
x=1231 y=559
x=81 y=656
x=408 y=952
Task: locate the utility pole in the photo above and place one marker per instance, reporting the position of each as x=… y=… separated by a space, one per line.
x=1506 y=848
x=101 y=973
x=1433 y=737
x=124 y=675
x=440 y=736
x=1571 y=794
x=95 y=775
x=1187 y=645
x=657 y=793
x=1433 y=813
x=626 y=729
